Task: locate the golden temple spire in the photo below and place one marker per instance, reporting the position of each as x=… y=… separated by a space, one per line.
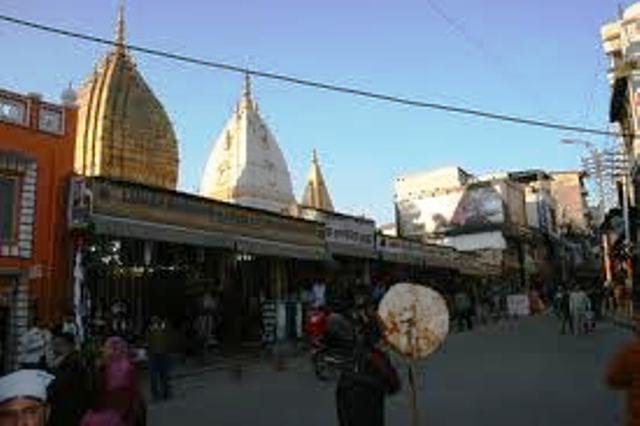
x=246 y=103
x=246 y=92
x=123 y=130
x=316 y=194
x=120 y=28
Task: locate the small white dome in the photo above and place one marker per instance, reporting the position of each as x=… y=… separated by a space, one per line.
x=69 y=96
x=632 y=11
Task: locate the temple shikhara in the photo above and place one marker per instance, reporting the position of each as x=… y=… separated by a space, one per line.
x=316 y=194
x=246 y=165
x=123 y=130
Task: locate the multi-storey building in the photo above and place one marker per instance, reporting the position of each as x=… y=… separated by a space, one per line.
x=36 y=161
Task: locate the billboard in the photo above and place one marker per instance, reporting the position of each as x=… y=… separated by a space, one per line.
x=457 y=209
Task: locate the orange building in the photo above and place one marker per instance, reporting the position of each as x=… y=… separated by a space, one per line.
x=36 y=160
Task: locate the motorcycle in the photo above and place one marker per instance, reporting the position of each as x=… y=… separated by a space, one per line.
x=328 y=361
x=329 y=354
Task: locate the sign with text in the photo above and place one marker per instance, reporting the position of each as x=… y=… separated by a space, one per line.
x=408 y=251
x=155 y=205
x=347 y=235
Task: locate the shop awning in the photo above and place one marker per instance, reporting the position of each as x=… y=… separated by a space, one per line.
x=128 y=228
x=340 y=249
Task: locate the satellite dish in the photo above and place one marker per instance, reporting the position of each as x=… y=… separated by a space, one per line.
x=415 y=319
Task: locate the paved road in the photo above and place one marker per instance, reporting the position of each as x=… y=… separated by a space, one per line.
x=524 y=376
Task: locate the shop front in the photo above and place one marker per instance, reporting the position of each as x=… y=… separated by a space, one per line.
x=159 y=252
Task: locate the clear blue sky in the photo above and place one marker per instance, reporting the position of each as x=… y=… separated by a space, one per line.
x=540 y=58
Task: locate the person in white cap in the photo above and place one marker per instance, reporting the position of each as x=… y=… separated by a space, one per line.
x=23 y=398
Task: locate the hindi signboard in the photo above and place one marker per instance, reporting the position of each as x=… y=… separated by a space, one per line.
x=143 y=205
x=345 y=235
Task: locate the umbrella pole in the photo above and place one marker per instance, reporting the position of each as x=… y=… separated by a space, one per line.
x=415 y=415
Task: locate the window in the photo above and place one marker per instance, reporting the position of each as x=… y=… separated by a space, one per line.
x=50 y=120
x=13 y=110
x=8 y=208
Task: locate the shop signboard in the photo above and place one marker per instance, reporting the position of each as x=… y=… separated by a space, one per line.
x=345 y=235
x=80 y=203
x=141 y=204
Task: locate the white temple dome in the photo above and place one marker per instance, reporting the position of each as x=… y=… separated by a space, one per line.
x=69 y=96
x=632 y=11
x=246 y=165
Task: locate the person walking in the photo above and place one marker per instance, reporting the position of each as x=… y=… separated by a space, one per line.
x=117 y=384
x=464 y=310
x=158 y=348
x=581 y=305
x=564 y=311
x=575 y=301
x=361 y=390
x=623 y=373
x=70 y=391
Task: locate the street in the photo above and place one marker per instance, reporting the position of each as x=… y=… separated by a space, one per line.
x=529 y=375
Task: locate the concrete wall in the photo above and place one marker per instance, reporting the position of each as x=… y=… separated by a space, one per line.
x=540 y=206
x=571 y=205
x=419 y=185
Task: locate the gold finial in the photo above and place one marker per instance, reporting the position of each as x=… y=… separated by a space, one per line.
x=247 y=85
x=314 y=156
x=120 y=27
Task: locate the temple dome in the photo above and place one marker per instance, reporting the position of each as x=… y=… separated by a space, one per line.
x=68 y=97
x=632 y=11
x=123 y=130
x=246 y=165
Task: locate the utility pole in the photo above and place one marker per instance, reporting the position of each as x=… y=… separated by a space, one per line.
x=594 y=165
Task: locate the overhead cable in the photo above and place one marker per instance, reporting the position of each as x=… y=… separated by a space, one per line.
x=316 y=84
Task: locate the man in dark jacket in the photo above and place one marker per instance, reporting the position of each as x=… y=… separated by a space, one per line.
x=562 y=305
x=70 y=391
x=361 y=391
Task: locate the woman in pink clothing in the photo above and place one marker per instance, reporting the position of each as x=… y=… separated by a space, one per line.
x=117 y=386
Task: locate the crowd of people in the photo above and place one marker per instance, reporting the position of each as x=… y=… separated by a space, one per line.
x=73 y=389
x=93 y=384
x=577 y=310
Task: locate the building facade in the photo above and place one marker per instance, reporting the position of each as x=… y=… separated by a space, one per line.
x=453 y=208
x=36 y=162
x=572 y=211
x=621 y=43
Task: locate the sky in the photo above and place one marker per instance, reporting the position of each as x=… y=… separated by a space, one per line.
x=540 y=59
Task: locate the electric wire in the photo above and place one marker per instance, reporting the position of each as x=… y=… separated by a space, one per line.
x=317 y=84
